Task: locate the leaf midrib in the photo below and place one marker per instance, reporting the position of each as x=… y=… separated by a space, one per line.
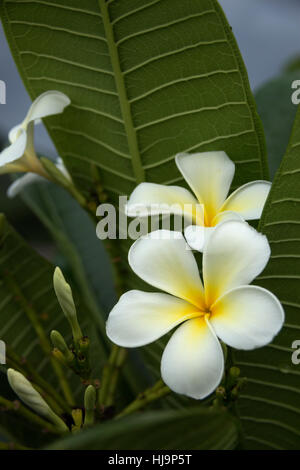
x=124 y=102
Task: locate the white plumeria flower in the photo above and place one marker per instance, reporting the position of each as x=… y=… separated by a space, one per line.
x=223 y=306
x=209 y=175
x=20 y=156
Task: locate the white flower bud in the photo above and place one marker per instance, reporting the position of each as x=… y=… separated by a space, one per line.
x=65 y=297
x=25 y=391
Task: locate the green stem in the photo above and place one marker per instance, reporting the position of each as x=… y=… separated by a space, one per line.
x=63 y=382
x=159 y=390
x=45 y=344
x=115 y=373
x=17 y=407
x=110 y=376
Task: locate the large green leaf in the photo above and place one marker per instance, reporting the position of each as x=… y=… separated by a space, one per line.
x=169 y=430
x=147 y=79
x=270 y=405
x=277 y=112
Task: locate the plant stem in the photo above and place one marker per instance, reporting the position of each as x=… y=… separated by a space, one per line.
x=159 y=390
x=17 y=407
x=110 y=376
x=45 y=344
x=121 y=357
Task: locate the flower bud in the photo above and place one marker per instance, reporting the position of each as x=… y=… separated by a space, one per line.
x=65 y=297
x=25 y=391
x=77 y=417
x=89 y=405
x=60 y=344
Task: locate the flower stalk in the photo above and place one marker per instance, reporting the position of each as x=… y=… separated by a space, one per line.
x=58 y=177
x=17 y=407
x=110 y=377
x=159 y=390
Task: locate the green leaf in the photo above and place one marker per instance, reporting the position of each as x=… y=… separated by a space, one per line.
x=168 y=430
x=270 y=405
x=147 y=79
x=278 y=113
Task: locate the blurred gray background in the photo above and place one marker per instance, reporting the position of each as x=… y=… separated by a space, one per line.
x=267 y=31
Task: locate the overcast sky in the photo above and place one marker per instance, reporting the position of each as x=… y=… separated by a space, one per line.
x=267 y=32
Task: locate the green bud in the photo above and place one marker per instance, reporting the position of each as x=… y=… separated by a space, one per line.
x=59 y=356
x=25 y=391
x=65 y=297
x=77 y=417
x=221 y=393
x=232 y=378
x=90 y=398
x=89 y=405
x=60 y=344
x=234 y=372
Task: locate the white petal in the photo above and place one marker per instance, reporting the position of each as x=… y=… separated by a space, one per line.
x=15 y=150
x=197 y=236
x=48 y=103
x=248 y=200
x=19 y=184
x=164 y=260
x=233 y=256
x=209 y=174
x=61 y=166
x=247 y=317
x=226 y=215
x=140 y=317
x=192 y=362
x=14 y=133
x=152 y=199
